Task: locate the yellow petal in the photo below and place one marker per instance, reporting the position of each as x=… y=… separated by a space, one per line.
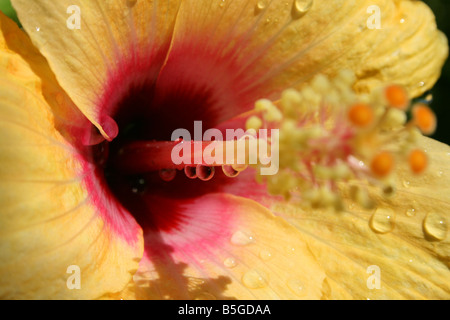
x=264 y=46
x=281 y=44
x=110 y=32
x=48 y=221
x=233 y=249
x=406 y=237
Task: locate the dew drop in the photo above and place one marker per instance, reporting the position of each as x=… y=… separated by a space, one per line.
x=265 y=255
x=205 y=296
x=254 y=280
x=435 y=226
x=406 y=183
x=260 y=6
x=241 y=238
x=205 y=173
x=296 y=286
x=190 y=172
x=230 y=263
x=382 y=221
x=229 y=171
x=290 y=250
x=239 y=167
x=411 y=212
x=300 y=8
x=38 y=29
x=167 y=174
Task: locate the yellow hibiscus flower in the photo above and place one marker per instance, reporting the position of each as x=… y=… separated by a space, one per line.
x=89 y=81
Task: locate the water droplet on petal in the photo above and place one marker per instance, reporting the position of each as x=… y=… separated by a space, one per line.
x=190 y=172
x=38 y=29
x=167 y=174
x=296 y=286
x=241 y=238
x=382 y=221
x=406 y=183
x=229 y=171
x=411 y=212
x=239 y=167
x=290 y=250
x=230 y=263
x=300 y=8
x=260 y=6
x=254 y=280
x=435 y=226
x=205 y=173
x=205 y=296
x=265 y=255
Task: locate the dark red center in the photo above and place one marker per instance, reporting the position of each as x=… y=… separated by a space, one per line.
x=149 y=101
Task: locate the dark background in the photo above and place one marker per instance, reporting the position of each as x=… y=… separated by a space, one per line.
x=441 y=91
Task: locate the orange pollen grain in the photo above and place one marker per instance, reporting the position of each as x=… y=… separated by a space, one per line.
x=418 y=161
x=361 y=115
x=397 y=97
x=382 y=164
x=424 y=118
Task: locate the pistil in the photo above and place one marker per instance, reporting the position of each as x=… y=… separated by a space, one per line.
x=139 y=157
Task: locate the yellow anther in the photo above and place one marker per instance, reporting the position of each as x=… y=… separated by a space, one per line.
x=346 y=76
x=321 y=84
x=396 y=97
x=269 y=111
x=263 y=105
x=341 y=172
x=320 y=150
x=394 y=119
x=290 y=102
x=254 y=122
x=273 y=114
x=310 y=96
x=382 y=164
x=418 y=161
x=424 y=118
x=361 y=197
x=361 y=115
